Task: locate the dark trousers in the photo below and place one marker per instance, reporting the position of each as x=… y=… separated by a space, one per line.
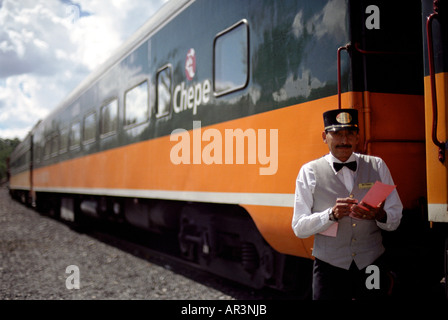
x=333 y=283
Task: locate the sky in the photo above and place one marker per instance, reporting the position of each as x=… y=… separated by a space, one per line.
x=47 y=47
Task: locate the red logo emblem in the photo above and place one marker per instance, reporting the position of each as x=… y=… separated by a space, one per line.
x=190 y=64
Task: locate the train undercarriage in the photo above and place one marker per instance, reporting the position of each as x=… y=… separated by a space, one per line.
x=218 y=238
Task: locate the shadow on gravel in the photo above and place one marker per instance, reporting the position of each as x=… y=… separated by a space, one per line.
x=148 y=246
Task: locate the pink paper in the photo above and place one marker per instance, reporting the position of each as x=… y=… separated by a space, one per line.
x=332 y=230
x=378 y=193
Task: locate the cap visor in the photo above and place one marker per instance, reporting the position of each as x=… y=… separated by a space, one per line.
x=341 y=127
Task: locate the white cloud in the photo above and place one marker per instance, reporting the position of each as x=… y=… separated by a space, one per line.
x=299 y=87
x=327 y=27
x=17 y=106
x=297 y=26
x=330 y=21
x=47 y=48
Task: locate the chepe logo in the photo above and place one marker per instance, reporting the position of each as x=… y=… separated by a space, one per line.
x=190 y=95
x=190 y=64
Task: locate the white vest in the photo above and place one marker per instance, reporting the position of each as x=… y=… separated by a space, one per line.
x=358 y=240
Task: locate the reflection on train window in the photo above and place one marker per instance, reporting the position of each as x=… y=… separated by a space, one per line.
x=231 y=59
x=75 y=135
x=89 y=128
x=63 y=141
x=54 y=145
x=109 y=118
x=47 y=148
x=163 y=92
x=38 y=147
x=37 y=152
x=21 y=162
x=136 y=105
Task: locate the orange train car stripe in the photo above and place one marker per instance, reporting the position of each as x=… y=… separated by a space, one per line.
x=145 y=169
x=20 y=181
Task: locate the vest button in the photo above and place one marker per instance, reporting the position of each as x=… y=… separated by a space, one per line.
x=353 y=254
x=354 y=225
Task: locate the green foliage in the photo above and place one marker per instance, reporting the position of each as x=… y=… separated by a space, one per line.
x=6 y=147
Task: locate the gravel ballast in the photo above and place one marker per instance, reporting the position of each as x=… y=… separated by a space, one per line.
x=36 y=250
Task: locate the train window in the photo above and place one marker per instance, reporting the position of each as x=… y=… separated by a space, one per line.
x=63 y=146
x=21 y=161
x=231 y=59
x=136 y=105
x=54 y=145
x=164 y=83
x=109 y=118
x=37 y=152
x=47 y=148
x=75 y=135
x=89 y=132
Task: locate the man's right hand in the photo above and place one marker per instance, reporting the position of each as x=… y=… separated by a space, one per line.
x=343 y=207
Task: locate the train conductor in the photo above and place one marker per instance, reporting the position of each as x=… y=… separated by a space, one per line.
x=326 y=198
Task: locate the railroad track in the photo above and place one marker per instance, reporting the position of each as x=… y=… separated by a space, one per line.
x=160 y=250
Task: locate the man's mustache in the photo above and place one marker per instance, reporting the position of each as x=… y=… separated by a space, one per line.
x=343 y=146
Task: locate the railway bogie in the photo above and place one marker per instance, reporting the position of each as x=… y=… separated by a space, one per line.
x=224 y=239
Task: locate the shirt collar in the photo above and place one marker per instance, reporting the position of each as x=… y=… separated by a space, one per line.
x=331 y=159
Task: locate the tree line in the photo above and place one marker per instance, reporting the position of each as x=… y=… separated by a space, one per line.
x=6 y=147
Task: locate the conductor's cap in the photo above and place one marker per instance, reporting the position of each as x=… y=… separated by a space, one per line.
x=339 y=119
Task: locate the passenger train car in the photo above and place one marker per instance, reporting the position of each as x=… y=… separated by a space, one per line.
x=199 y=125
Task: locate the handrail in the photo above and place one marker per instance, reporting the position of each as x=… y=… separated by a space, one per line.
x=346 y=47
x=440 y=144
x=376 y=52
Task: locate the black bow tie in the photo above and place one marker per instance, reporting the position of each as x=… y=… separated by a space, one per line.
x=351 y=165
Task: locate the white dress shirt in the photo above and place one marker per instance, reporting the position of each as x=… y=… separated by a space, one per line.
x=306 y=223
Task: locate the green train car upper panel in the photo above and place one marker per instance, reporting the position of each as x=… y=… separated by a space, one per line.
x=289 y=57
x=280 y=53
x=220 y=60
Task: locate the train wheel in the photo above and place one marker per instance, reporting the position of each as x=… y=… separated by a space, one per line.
x=224 y=240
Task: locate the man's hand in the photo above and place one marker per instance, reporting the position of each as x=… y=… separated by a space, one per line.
x=367 y=212
x=343 y=207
